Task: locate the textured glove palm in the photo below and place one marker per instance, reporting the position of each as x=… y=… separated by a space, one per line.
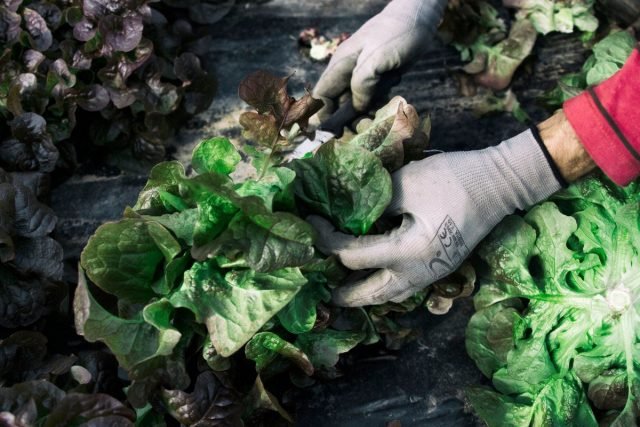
x=387 y=41
x=449 y=202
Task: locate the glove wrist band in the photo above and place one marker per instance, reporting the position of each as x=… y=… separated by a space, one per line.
x=554 y=167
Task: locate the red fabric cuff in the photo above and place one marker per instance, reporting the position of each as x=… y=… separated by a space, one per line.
x=606 y=118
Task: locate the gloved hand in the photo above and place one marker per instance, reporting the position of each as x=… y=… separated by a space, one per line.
x=449 y=202
x=387 y=41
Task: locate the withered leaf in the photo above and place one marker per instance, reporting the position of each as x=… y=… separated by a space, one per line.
x=260 y=128
x=301 y=110
x=265 y=92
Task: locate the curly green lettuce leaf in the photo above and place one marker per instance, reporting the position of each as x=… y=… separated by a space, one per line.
x=561 y=402
x=558 y=311
x=554 y=15
x=609 y=55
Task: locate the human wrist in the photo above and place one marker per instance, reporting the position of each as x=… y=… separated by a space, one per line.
x=514 y=174
x=564 y=147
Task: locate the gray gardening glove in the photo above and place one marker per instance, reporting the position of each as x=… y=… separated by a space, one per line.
x=449 y=202
x=386 y=42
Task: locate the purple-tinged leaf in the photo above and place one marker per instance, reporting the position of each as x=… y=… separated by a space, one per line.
x=67 y=48
x=49 y=12
x=157 y=127
x=199 y=94
x=9 y=26
x=41 y=256
x=32 y=219
x=208 y=13
x=28 y=127
x=40 y=395
x=301 y=110
x=121 y=33
x=81 y=61
x=160 y=97
x=92 y=98
x=61 y=70
x=22 y=302
x=128 y=63
x=96 y=410
x=506 y=57
x=209 y=404
x=265 y=92
x=11 y=5
x=182 y=28
x=40 y=37
x=84 y=30
x=61 y=129
x=260 y=398
x=21 y=351
x=32 y=60
x=187 y=67
x=17 y=155
x=148 y=150
x=99 y=8
x=122 y=98
x=25 y=94
x=39 y=183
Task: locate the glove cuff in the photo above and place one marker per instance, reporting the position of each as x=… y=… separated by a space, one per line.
x=512 y=175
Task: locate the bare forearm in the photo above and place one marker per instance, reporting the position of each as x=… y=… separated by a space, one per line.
x=565 y=148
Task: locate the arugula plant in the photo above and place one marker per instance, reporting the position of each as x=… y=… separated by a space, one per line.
x=226 y=269
x=558 y=313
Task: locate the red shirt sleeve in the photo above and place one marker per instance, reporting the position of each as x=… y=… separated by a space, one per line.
x=606 y=118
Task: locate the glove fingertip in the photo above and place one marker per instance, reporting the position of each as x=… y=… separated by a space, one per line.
x=341 y=298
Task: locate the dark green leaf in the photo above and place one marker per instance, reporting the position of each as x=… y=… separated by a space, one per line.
x=133 y=341
x=299 y=315
x=345 y=183
x=265 y=347
x=236 y=305
x=122 y=258
x=324 y=347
